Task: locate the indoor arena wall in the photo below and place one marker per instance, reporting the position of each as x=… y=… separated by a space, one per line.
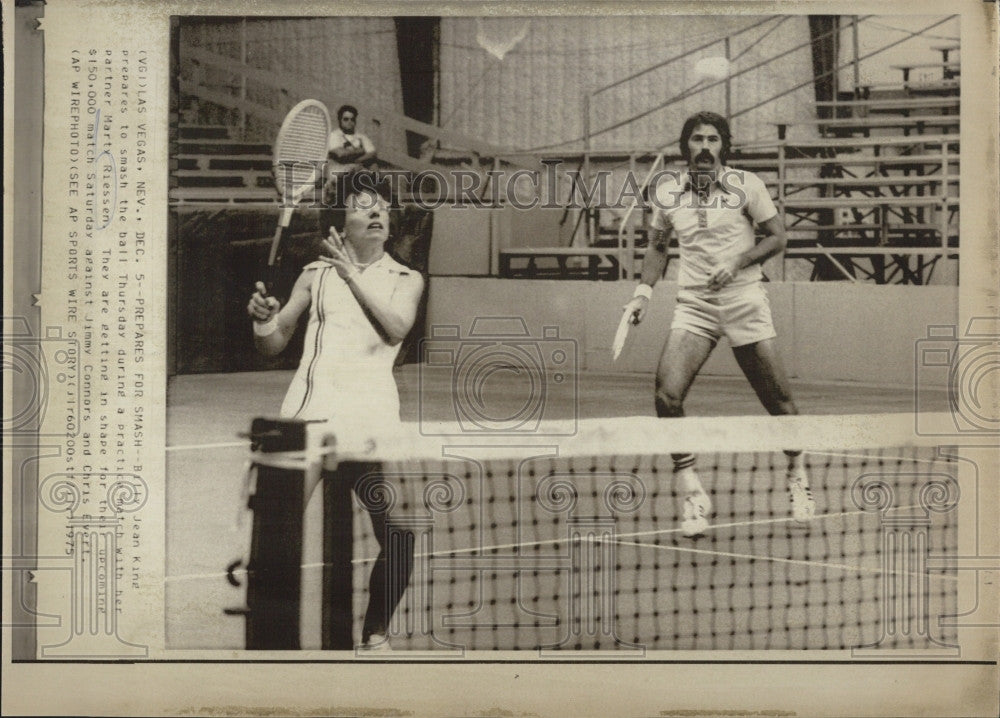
x=827 y=331
x=533 y=97
x=336 y=60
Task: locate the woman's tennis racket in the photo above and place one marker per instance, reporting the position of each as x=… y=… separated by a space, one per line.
x=299 y=154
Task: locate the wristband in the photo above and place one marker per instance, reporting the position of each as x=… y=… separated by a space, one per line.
x=643 y=290
x=264 y=329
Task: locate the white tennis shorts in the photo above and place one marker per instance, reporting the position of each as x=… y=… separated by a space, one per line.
x=742 y=314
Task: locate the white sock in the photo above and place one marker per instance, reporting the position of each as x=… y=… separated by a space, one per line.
x=689 y=480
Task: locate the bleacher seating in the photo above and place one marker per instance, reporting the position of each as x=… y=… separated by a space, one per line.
x=214 y=169
x=877 y=183
x=848 y=126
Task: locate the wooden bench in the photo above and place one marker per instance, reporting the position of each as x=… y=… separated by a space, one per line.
x=920 y=88
x=224 y=162
x=593 y=257
x=945 y=50
x=812 y=250
x=866 y=124
x=901 y=106
x=235 y=148
x=223 y=178
x=230 y=196
x=854 y=250
x=949 y=70
x=875 y=161
x=863 y=183
x=902 y=102
x=818 y=203
x=906 y=228
x=912 y=235
x=203 y=132
x=852 y=144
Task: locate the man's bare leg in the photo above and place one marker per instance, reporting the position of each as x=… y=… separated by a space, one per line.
x=763 y=369
x=683 y=356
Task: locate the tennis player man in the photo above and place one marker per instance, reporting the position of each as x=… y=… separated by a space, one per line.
x=712 y=210
x=361 y=305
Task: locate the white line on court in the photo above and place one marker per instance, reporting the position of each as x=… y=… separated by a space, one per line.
x=201 y=447
x=874 y=457
x=846 y=454
x=620 y=538
x=777 y=559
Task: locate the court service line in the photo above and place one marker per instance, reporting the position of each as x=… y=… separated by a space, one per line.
x=633 y=534
x=200 y=447
x=619 y=538
x=794 y=561
x=846 y=454
x=876 y=458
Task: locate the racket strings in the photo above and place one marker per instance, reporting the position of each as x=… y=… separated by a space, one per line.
x=301 y=148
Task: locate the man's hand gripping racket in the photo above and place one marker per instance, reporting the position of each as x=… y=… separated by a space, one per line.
x=634 y=311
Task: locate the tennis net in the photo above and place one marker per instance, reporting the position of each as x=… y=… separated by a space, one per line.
x=577 y=546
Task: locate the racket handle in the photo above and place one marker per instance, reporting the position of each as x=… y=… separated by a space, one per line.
x=286 y=218
x=272 y=270
x=275 y=243
x=271 y=277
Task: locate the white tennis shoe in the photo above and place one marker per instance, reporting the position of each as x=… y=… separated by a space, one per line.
x=697 y=508
x=376 y=643
x=803 y=505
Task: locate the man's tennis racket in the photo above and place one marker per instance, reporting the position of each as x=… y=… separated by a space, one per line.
x=299 y=154
x=621 y=335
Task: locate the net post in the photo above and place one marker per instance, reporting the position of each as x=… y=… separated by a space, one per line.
x=274 y=570
x=338 y=552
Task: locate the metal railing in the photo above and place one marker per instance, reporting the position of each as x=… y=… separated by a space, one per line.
x=288 y=89
x=626 y=236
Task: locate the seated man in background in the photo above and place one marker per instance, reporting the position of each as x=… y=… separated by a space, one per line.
x=348 y=152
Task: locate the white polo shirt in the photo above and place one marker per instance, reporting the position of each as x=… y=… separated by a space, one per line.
x=345 y=375
x=713 y=228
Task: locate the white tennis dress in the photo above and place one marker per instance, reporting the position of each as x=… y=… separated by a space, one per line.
x=345 y=376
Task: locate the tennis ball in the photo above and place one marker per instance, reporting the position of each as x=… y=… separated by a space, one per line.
x=711 y=69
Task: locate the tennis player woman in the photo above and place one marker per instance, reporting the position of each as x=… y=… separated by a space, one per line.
x=361 y=304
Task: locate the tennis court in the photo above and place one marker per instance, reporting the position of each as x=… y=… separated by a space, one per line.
x=583 y=551
x=508 y=571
